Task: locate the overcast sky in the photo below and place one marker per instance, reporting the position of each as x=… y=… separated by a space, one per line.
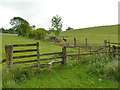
x=74 y=13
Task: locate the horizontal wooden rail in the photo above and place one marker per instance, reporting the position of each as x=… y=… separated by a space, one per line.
x=24 y=61
x=18 y=45
x=50 y=53
x=49 y=58
x=88 y=46
x=117 y=47
x=45 y=64
x=113 y=43
x=24 y=56
x=17 y=51
x=35 y=55
x=84 y=54
x=35 y=60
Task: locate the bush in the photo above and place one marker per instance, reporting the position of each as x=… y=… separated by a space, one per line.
x=38 y=34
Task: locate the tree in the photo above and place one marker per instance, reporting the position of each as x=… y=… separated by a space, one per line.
x=2 y=30
x=69 y=28
x=39 y=33
x=33 y=27
x=56 y=24
x=21 y=26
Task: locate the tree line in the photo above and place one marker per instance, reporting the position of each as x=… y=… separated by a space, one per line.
x=22 y=27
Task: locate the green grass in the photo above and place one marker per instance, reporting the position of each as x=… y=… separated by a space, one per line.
x=44 y=47
x=95 y=35
x=74 y=75
x=69 y=76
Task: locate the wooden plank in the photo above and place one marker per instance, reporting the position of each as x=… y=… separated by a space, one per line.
x=25 y=56
x=44 y=64
x=117 y=47
x=17 y=51
x=24 y=61
x=18 y=45
x=34 y=55
x=84 y=54
x=50 y=65
x=88 y=46
x=116 y=43
x=49 y=58
x=50 y=53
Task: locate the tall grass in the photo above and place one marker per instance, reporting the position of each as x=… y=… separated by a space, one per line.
x=102 y=65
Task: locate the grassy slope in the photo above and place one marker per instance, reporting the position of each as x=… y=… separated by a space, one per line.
x=95 y=35
x=73 y=75
x=69 y=76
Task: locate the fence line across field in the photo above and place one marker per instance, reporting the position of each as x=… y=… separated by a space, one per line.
x=63 y=55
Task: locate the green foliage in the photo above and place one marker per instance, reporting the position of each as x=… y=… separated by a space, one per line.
x=69 y=28
x=11 y=31
x=38 y=34
x=50 y=31
x=21 y=26
x=103 y=66
x=56 y=24
x=72 y=75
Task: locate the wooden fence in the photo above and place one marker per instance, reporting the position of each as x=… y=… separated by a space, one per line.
x=63 y=55
x=9 y=55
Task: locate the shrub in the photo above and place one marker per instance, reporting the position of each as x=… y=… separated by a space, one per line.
x=38 y=34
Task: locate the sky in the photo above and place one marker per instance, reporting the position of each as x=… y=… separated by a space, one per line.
x=74 y=13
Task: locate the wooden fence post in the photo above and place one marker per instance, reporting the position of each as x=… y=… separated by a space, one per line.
x=113 y=50
x=38 y=58
x=78 y=53
x=119 y=53
x=109 y=49
x=90 y=50
x=74 y=41
x=86 y=43
x=64 y=55
x=105 y=42
x=9 y=56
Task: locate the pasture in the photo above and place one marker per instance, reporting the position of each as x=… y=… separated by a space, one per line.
x=76 y=74
x=95 y=35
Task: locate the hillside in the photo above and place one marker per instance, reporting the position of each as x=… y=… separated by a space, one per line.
x=75 y=74
x=95 y=35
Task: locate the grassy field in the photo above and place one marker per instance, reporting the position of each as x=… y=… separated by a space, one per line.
x=85 y=74
x=95 y=35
